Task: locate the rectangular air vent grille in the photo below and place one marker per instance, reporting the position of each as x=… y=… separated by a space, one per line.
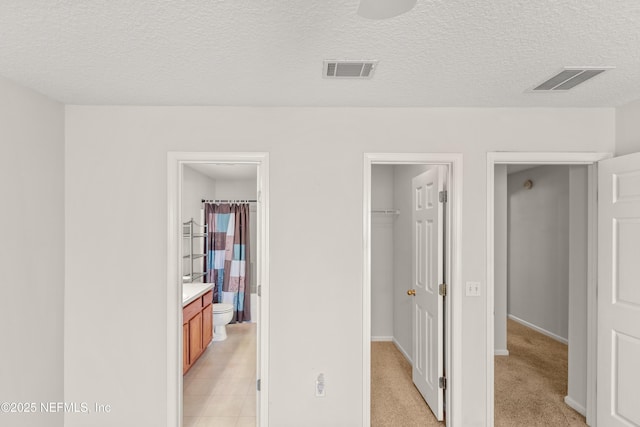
x=349 y=69
x=568 y=78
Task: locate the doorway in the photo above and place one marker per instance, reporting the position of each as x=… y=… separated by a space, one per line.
x=207 y=386
x=588 y=159
x=452 y=164
x=219 y=383
x=408 y=264
x=540 y=293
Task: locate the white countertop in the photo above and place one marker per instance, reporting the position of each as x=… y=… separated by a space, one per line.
x=191 y=291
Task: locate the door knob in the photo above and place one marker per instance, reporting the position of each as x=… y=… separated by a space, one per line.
x=411 y=292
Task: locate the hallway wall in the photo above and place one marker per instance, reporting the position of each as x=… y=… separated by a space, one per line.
x=32 y=244
x=316 y=182
x=628 y=128
x=538 y=248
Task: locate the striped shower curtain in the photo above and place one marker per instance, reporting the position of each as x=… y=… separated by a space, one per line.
x=228 y=256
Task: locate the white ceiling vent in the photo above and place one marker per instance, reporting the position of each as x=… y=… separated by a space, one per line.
x=348 y=69
x=568 y=78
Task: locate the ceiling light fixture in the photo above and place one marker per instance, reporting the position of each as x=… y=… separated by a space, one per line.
x=383 y=9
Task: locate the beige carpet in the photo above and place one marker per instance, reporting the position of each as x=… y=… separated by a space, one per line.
x=531 y=383
x=394 y=399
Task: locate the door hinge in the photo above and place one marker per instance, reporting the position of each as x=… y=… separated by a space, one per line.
x=442 y=196
x=258 y=385
x=442 y=289
x=442 y=382
x=259 y=290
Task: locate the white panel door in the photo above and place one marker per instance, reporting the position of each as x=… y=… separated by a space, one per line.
x=618 y=374
x=427 y=274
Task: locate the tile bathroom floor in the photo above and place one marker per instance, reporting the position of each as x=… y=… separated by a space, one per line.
x=220 y=389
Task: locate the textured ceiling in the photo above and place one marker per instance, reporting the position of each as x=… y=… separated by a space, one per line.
x=443 y=53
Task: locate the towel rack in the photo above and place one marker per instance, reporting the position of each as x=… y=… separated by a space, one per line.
x=190 y=231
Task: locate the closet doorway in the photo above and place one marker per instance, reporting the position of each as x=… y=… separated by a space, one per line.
x=411 y=200
x=218 y=207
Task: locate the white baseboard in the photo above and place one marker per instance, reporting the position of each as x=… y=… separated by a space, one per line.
x=381 y=338
x=404 y=353
x=575 y=406
x=498 y=352
x=538 y=329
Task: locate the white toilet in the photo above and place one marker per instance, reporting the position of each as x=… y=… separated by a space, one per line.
x=222 y=315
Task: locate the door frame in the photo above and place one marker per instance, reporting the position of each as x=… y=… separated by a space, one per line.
x=175 y=163
x=453 y=304
x=547 y=158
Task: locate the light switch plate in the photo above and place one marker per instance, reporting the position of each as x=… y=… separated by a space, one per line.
x=472 y=289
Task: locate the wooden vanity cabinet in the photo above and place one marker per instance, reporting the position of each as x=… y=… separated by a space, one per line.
x=197 y=329
x=195 y=337
x=207 y=325
x=185 y=348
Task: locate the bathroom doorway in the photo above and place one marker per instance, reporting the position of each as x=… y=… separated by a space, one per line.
x=391 y=312
x=220 y=385
x=225 y=381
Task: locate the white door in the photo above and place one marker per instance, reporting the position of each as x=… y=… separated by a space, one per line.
x=618 y=376
x=427 y=275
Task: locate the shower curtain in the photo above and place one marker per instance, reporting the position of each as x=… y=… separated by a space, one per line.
x=228 y=256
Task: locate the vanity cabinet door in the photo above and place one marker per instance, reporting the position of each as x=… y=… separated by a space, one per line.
x=207 y=325
x=185 y=348
x=195 y=337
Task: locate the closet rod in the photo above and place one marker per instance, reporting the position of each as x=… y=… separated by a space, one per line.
x=229 y=201
x=386 y=211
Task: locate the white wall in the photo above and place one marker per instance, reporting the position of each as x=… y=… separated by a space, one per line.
x=500 y=260
x=578 y=265
x=32 y=252
x=195 y=187
x=382 y=293
x=538 y=248
x=628 y=128
x=237 y=189
x=402 y=252
x=316 y=158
